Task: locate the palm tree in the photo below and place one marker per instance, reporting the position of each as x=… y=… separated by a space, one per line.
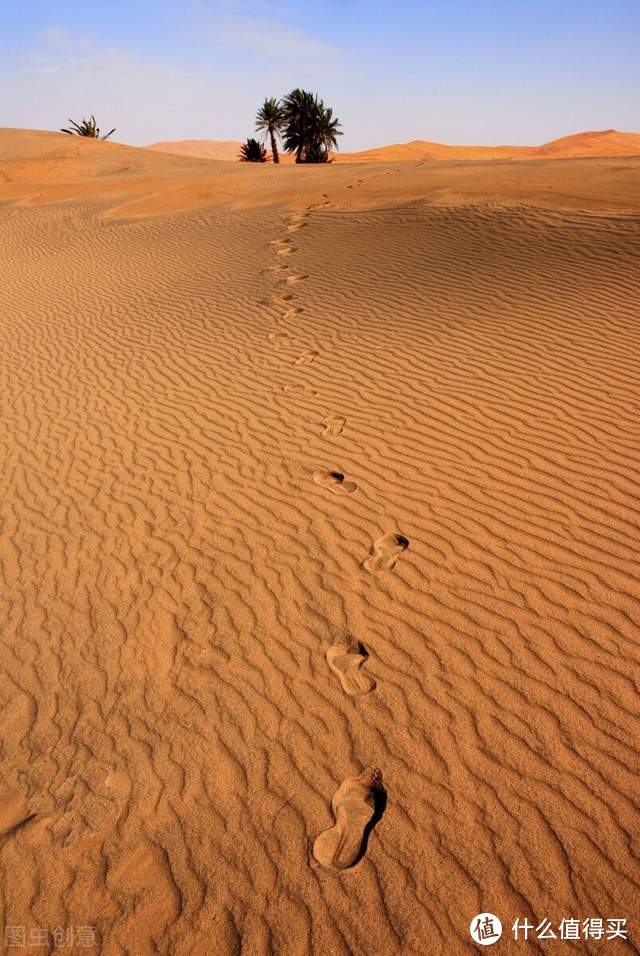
x=268 y=121
x=310 y=129
x=253 y=152
x=298 y=111
x=324 y=136
x=87 y=128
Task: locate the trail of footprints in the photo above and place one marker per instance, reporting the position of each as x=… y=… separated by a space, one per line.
x=358 y=802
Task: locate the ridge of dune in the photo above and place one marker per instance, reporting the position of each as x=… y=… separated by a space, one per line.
x=425 y=150
x=601 y=143
x=590 y=143
x=608 y=142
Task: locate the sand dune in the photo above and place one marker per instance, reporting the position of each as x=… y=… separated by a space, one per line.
x=223 y=149
x=204 y=645
x=40 y=168
x=603 y=143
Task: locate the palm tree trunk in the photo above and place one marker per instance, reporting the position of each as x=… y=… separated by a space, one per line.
x=274 y=148
x=299 y=153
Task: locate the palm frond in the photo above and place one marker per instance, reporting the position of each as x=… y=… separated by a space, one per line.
x=87 y=127
x=310 y=129
x=252 y=152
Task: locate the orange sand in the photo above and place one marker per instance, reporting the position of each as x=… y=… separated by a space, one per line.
x=608 y=142
x=226 y=150
x=192 y=355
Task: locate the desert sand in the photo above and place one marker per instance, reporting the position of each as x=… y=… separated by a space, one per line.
x=315 y=479
x=225 y=150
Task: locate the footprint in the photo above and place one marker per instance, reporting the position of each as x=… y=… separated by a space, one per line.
x=299 y=390
x=346 y=657
x=276 y=299
x=279 y=338
x=386 y=551
x=279 y=242
x=292 y=280
x=286 y=251
x=295 y=226
x=354 y=808
x=292 y=313
x=335 y=482
x=333 y=424
x=280 y=299
x=306 y=358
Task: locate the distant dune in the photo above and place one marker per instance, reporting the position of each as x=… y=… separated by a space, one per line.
x=608 y=142
x=225 y=150
x=39 y=167
x=319 y=547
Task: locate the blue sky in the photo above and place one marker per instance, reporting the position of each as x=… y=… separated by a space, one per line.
x=456 y=71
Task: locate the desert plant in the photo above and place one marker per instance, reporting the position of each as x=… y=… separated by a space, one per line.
x=298 y=113
x=268 y=121
x=310 y=129
x=87 y=127
x=324 y=135
x=253 y=152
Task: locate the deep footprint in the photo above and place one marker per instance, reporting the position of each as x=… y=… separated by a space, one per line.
x=334 y=481
x=333 y=424
x=353 y=806
x=306 y=358
x=346 y=658
x=386 y=551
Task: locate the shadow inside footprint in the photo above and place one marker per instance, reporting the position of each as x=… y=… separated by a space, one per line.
x=386 y=551
x=334 y=481
x=379 y=806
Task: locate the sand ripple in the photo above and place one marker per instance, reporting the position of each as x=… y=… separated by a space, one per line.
x=172 y=575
